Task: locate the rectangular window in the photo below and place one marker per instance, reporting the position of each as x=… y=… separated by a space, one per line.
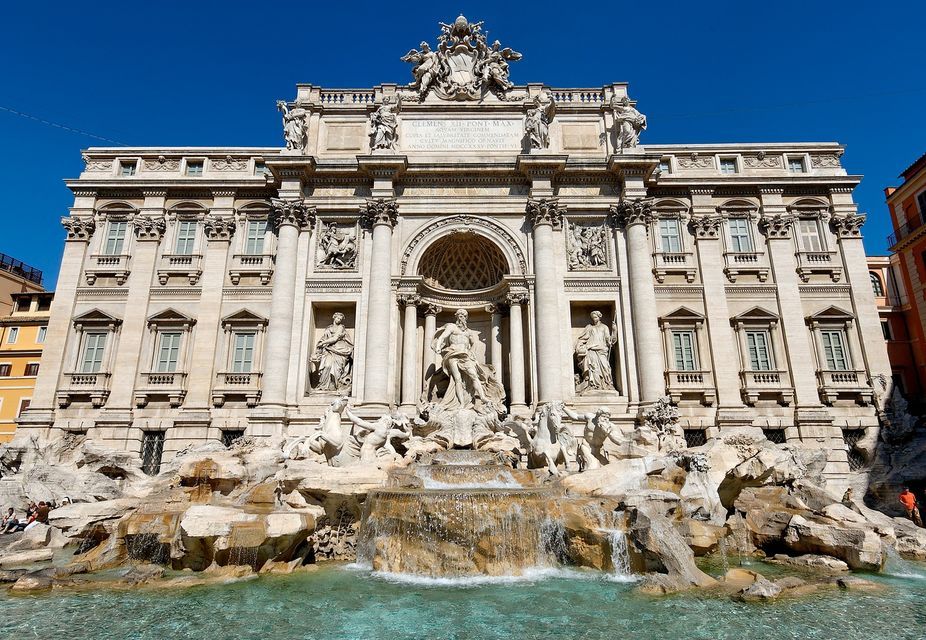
x=168 y=351
x=127 y=168
x=186 y=237
x=23 y=305
x=13 y=335
x=115 y=238
x=32 y=369
x=23 y=405
x=728 y=165
x=92 y=359
x=683 y=343
x=665 y=167
x=260 y=169
x=243 y=352
x=152 y=447
x=886 y=329
x=758 y=344
x=5 y=370
x=834 y=350
x=796 y=165
x=670 y=235
x=254 y=245
x=194 y=168
x=740 y=238
x=921 y=201
x=810 y=235
x=40 y=335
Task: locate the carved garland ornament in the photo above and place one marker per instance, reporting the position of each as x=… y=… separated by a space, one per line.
x=291 y=211
x=464 y=221
x=78 y=228
x=630 y=212
x=379 y=211
x=545 y=211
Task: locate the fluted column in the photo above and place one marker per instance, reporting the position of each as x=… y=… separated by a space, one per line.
x=635 y=217
x=410 y=350
x=430 y=328
x=544 y=214
x=516 y=347
x=495 y=341
x=288 y=216
x=381 y=216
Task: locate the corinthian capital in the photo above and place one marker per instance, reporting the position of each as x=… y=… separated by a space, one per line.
x=149 y=228
x=777 y=225
x=219 y=228
x=78 y=229
x=379 y=211
x=292 y=212
x=849 y=225
x=627 y=213
x=706 y=227
x=545 y=211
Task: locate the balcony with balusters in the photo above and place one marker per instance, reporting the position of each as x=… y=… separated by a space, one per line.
x=175 y=265
x=851 y=384
x=108 y=266
x=737 y=263
x=87 y=387
x=773 y=385
x=236 y=385
x=818 y=262
x=169 y=386
x=247 y=265
x=674 y=263
x=691 y=385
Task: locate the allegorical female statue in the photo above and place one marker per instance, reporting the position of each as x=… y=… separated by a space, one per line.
x=593 y=352
x=333 y=357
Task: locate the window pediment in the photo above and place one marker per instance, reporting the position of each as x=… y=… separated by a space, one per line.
x=756 y=315
x=831 y=315
x=682 y=316
x=243 y=319
x=96 y=318
x=170 y=318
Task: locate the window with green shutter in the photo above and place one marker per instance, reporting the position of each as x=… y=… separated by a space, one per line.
x=758 y=344
x=834 y=350
x=670 y=235
x=186 y=237
x=92 y=357
x=168 y=351
x=683 y=343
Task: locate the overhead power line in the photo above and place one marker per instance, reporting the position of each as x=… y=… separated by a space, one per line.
x=58 y=125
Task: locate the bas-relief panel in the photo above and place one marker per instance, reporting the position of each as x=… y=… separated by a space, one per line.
x=580 y=136
x=345 y=136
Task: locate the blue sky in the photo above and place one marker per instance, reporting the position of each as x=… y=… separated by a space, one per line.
x=208 y=73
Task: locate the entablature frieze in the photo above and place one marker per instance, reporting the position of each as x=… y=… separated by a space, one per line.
x=101 y=293
x=176 y=292
x=333 y=285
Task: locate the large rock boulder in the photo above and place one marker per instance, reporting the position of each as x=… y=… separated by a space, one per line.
x=857 y=546
x=664 y=551
x=39 y=536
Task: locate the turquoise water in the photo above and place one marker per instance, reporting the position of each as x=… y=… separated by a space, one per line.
x=340 y=602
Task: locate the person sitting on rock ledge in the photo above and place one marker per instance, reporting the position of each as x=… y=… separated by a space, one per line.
x=9 y=522
x=908 y=500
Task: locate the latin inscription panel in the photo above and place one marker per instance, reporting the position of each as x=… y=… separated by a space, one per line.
x=447 y=134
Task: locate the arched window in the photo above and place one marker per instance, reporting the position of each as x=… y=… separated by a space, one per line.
x=876 y=285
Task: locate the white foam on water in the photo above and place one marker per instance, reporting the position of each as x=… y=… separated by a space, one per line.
x=531 y=575
x=427 y=483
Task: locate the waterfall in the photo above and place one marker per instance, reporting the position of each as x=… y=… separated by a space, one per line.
x=620 y=554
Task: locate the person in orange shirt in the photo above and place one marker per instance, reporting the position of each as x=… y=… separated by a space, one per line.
x=908 y=500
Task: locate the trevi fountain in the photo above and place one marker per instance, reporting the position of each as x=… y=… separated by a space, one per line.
x=608 y=426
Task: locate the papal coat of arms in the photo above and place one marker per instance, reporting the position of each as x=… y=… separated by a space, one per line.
x=464 y=67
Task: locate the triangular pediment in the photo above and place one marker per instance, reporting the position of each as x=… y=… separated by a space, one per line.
x=244 y=317
x=831 y=314
x=170 y=316
x=682 y=315
x=756 y=314
x=96 y=316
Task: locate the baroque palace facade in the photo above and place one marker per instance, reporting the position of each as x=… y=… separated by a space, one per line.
x=207 y=293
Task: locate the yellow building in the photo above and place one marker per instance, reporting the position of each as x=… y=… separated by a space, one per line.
x=22 y=337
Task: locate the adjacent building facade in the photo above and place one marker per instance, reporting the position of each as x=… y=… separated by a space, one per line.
x=210 y=292
x=22 y=339
x=907 y=205
x=16 y=277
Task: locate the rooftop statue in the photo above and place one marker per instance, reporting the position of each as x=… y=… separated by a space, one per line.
x=464 y=67
x=295 y=131
x=630 y=123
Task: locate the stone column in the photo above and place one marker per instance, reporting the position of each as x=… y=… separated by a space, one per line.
x=430 y=328
x=545 y=214
x=847 y=224
x=516 y=347
x=218 y=227
x=288 y=216
x=149 y=226
x=79 y=226
x=708 y=227
x=381 y=216
x=410 y=351
x=635 y=216
x=495 y=341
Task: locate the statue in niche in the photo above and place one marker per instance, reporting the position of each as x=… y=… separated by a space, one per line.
x=585 y=247
x=537 y=122
x=333 y=357
x=469 y=379
x=598 y=430
x=337 y=247
x=593 y=353
x=294 y=127
x=630 y=123
x=383 y=124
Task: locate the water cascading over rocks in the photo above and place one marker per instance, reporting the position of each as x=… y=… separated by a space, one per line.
x=484 y=520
